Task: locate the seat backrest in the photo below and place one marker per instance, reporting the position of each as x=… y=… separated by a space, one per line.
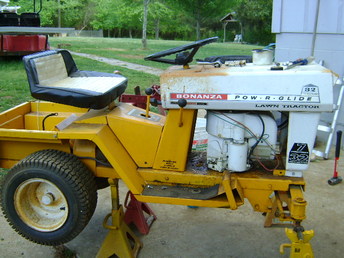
x=9 y=19
x=30 y=20
x=50 y=69
x=53 y=76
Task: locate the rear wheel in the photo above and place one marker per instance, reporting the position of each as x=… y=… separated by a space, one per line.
x=49 y=197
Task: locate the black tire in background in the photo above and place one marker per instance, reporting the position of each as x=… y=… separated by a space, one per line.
x=49 y=197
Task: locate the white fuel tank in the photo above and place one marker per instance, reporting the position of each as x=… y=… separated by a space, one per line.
x=306 y=88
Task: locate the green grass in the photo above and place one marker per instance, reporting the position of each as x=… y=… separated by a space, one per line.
x=130 y=50
x=14 y=88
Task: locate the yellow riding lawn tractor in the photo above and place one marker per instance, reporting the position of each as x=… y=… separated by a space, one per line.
x=261 y=123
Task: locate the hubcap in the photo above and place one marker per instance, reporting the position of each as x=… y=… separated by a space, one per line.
x=41 y=205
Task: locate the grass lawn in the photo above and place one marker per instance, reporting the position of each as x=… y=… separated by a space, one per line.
x=14 y=88
x=130 y=50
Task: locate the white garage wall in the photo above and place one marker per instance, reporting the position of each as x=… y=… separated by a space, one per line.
x=306 y=27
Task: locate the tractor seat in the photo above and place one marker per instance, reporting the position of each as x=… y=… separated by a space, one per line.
x=53 y=76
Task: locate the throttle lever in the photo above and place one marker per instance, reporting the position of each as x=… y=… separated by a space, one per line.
x=181 y=103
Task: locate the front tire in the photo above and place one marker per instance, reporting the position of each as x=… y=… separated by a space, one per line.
x=49 y=197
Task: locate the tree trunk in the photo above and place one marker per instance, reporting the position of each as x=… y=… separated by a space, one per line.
x=224 y=31
x=198 y=30
x=59 y=14
x=157 y=28
x=144 y=26
x=198 y=23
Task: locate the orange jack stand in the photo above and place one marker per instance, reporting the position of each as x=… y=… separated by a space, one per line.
x=120 y=240
x=134 y=214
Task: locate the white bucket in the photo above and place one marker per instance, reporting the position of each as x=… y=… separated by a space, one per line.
x=262 y=56
x=200 y=140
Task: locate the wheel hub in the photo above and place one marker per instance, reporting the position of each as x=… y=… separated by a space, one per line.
x=47 y=199
x=41 y=204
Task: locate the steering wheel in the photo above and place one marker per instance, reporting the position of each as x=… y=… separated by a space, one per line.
x=182 y=58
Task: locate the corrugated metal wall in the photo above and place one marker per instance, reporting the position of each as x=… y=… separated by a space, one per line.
x=304 y=28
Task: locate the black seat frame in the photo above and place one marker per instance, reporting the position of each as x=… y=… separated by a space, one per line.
x=75 y=97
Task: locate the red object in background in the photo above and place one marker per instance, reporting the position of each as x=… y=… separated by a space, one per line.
x=135 y=214
x=140 y=101
x=137 y=100
x=22 y=44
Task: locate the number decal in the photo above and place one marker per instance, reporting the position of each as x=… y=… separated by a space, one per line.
x=299 y=154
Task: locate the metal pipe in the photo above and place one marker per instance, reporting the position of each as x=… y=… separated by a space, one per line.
x=40 y=6
x=315 y=27
x=34 y=6
x=334 y=123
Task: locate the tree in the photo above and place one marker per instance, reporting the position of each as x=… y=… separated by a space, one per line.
x=159 y=13
x=74 y=13
x=104 y=17
x=144 y=24
x=130 y=15
x=255 y=16
x=168 y=19
x=204 y=13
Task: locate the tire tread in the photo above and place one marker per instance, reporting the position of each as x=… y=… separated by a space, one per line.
x=74 y=173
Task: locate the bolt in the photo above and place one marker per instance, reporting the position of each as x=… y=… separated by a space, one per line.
x=47 y=199
x=196 y=191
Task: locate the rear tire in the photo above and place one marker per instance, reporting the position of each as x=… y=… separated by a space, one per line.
x=49 y=197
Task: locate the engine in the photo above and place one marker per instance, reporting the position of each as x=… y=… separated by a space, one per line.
x=243 y=105
x=234 y=138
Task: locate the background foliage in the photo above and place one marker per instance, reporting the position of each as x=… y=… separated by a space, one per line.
x=167 y=19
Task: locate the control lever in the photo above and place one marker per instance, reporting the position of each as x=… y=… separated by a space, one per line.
x=149 y=92
x=181 y=103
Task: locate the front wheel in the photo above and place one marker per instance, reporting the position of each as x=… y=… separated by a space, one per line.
x=49 y=197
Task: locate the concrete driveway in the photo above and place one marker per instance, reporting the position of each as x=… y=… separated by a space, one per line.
x=204 y=232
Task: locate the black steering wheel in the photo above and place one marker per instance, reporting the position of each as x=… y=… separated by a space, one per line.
x=182 y=58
